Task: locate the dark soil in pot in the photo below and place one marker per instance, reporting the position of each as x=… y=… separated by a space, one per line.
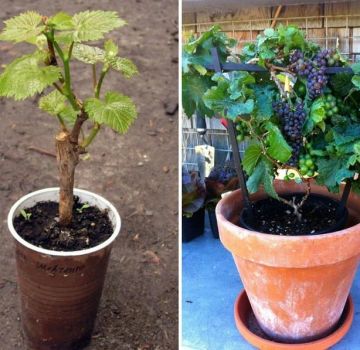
x=319 y=215
x=90 y=227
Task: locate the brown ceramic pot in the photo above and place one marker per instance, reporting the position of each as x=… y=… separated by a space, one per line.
x=60 y=291
x=297 y=285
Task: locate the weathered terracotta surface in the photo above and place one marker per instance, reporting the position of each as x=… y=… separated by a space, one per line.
x=297 y=286
x=242 y=310
x=59 y=297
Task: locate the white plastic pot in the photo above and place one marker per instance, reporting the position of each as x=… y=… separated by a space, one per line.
x=60 y=291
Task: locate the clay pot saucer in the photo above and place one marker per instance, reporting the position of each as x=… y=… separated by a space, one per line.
x=250 y=330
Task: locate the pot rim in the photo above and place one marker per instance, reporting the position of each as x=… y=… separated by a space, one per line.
x=271 y=236
x=285 y=251
x=77 y=191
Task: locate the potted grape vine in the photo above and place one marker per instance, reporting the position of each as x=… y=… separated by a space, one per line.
x=193 y=211
x=222 y=179
x=296 y=244
x=64 y=235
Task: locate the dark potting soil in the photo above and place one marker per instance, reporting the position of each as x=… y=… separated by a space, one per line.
x=90 y=227
x=318 y=215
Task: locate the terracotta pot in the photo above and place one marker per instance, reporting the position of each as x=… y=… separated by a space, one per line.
x=297 y=286
x=60 y=291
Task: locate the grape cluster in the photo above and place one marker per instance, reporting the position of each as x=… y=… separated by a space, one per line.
x=299 y=64
x=241 y=130
x=292 y=120
x=317 y=80
x=313 y=70
x=331 y=107
x=223 y=173
x=345 y=110
x=307 y=162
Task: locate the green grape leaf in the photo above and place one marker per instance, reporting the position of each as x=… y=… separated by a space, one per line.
x=25 y=27
x=92 y=55
x=25 y=76
x=279 y=148
x=332 y=172
x=263 y=174
x=88 y=54
x=117 y=111
x=124 y=65
x=346 y=135
x=92 y=25
x=264 y=99
x=53 y=103
x=230 y=97
x=251 y=157
x=356 y=81
x=317 y=110
x=194 y=87
x=291 y=37
x=69 y=114
x=355 y=67
x=218 y=100
x=341 y=83
x=61 y=21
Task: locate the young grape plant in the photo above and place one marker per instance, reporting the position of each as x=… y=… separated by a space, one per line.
x=58 y=41
x=296 y=118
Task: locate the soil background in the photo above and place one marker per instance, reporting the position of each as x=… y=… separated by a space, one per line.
x=136 y=172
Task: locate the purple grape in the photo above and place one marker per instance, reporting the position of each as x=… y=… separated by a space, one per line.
x=292 y=121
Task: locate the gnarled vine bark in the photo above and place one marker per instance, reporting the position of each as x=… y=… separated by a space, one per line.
x=67 y=155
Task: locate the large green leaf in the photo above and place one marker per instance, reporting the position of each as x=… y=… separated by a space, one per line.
x=251 y=157
x=349 y=134
x=356 y=81
x=341 y=83
x=221 y=99
x=92 y=25
x=332 y=172
x=117 y=111
x=25 y=27
x=279 y=148
x=194 y=87
x=264 y=99
x=26 y=76
x=263 y=174
x=218 y=100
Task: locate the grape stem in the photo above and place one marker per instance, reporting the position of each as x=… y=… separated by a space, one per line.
x=293 y=204
x=277 y=82
x=253 y=60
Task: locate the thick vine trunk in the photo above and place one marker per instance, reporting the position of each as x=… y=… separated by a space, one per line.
x=67 y=158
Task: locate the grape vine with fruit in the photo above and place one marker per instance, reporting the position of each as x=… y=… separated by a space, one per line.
x=296 y=117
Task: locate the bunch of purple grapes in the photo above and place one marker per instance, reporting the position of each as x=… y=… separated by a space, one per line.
x=223 y=173
x=313 y=70
x=292 y=120
x=317 y=80
x=299 y=64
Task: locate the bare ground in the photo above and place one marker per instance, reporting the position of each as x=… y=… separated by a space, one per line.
x=137 y=172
